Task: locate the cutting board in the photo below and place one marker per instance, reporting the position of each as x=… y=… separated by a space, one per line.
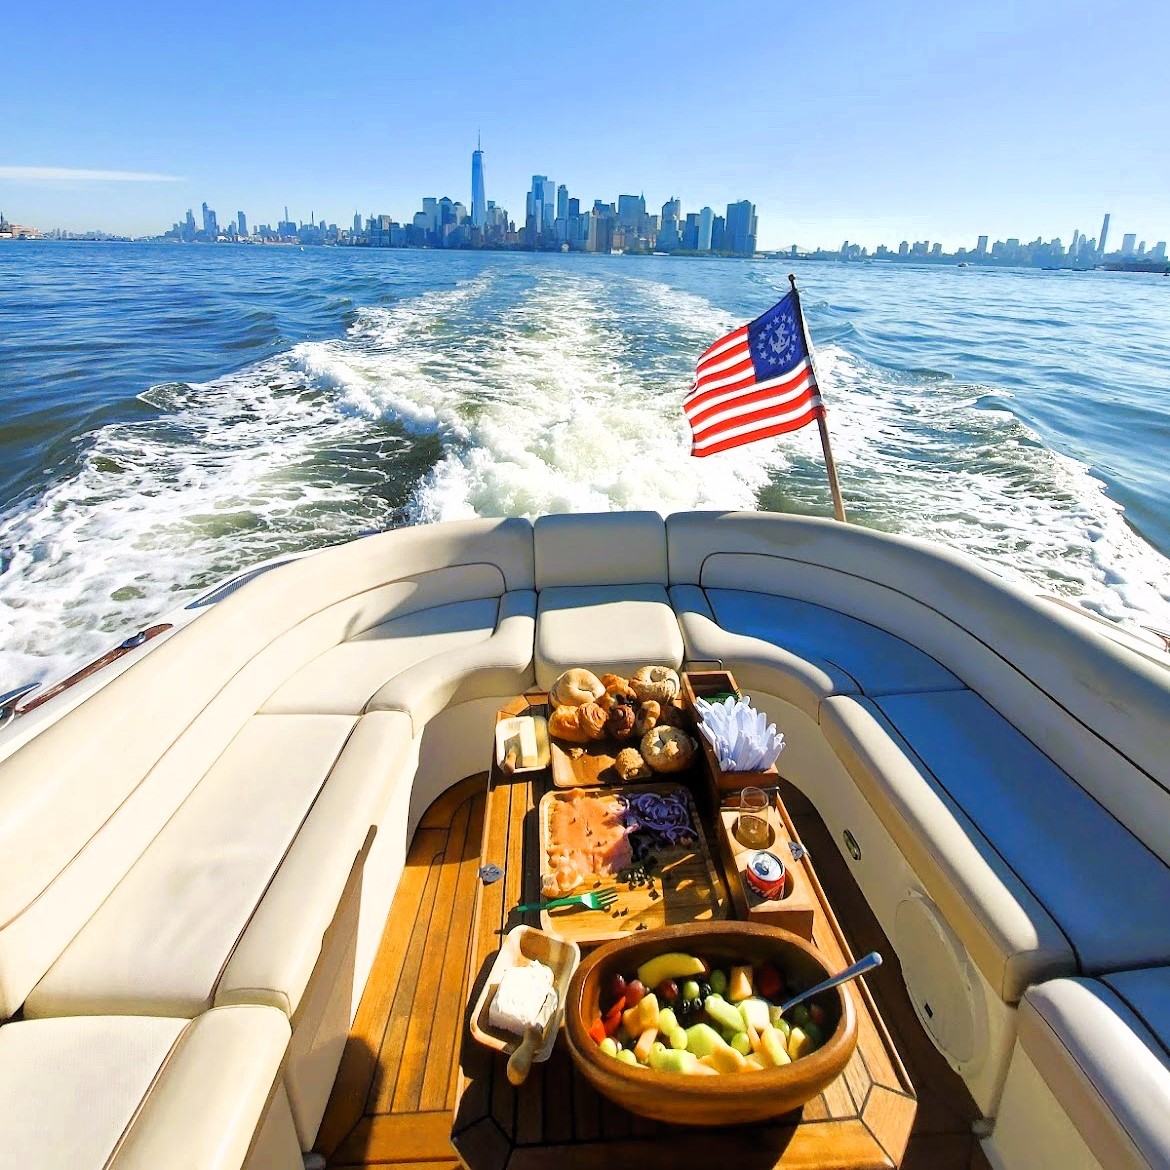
x=688 y=882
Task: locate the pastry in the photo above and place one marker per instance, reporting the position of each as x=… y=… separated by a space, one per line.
x=592 y=717
x=575 y=687
x=659 y=683
x=618 y=693
x=565 y=723
x=673 y=716
x=667 y=749
x=629 y=765
x=649 y=716
x=620 y=722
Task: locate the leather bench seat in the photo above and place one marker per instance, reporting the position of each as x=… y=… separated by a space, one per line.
x=135 y=1093
x=1035 y=876
x=421 y=662
x=859 y=656
x=235 y=893
x=1102 y=1050
x=605 y=628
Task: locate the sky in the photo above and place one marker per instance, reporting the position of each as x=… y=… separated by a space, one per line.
x=843 y=119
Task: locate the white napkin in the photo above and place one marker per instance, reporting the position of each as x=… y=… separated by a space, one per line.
x=738 y=734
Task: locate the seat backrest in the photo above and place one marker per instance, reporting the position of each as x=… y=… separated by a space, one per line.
x=1098 y=710
x=600 y=548
x=81 y=800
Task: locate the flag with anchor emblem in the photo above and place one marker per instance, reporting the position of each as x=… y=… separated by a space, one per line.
x=755 y=383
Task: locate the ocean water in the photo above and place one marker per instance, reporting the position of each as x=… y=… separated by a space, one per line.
x=169 y=415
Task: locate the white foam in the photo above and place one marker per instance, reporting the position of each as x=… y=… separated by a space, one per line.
x=559 y=391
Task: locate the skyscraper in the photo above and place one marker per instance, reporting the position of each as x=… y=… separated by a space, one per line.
x=357 y=223
x=241 y=219
x=631 y=209
x=478 y=199
x=741 y=228
x=706 y=224
x=1104 y=233
x=1127 y=243
x=562 y=202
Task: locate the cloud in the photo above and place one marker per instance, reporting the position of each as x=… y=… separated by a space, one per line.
x=74 y=175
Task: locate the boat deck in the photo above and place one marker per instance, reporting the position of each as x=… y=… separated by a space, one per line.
x=394 y=1098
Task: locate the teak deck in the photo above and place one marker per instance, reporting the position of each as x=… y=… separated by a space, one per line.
x=397 y=1097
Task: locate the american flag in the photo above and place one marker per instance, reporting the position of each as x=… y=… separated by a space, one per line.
x=755 y=383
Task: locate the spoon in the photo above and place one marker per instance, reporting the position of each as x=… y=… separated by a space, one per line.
x=867 y=963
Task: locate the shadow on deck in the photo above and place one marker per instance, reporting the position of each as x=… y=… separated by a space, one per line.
x=394 y=1097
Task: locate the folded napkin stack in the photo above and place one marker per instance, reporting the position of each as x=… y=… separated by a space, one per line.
x=739 y=736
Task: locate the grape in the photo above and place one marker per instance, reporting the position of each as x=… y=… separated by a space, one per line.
x=617 y=988
x=635 y=989
x=667 y=990
x=689 y=990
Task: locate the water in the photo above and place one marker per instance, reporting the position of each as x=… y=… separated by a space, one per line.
x=173 y=414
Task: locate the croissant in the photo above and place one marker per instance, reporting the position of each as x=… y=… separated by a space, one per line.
x=592 y=718
x=620 y=722
x=565 y=723
x=618 y=693
x=649 y=716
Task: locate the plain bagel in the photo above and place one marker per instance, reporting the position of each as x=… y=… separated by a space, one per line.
x=655 y=683
x=575 y=688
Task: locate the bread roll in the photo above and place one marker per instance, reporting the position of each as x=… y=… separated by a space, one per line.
x=575 y=687
x=620 y=722
x=629 y=765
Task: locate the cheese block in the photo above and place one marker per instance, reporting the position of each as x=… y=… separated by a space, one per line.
x=520 y=998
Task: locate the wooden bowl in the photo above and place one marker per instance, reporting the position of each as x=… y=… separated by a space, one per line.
x=732 y=1099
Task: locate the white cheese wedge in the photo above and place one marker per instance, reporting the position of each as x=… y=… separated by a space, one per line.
x=528 y=753
x=520 y=998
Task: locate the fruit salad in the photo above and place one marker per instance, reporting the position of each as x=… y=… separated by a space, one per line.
x=679 y=1013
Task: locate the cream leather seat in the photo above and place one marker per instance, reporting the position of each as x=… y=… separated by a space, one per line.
x=1032 y=873
x=601 y=580
x=1090 y=1076
x=163 y=941
x=123 y=1092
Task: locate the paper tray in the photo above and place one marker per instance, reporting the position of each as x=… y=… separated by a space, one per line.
x=520 y=947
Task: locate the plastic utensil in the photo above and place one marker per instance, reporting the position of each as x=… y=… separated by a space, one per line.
x=595 y=900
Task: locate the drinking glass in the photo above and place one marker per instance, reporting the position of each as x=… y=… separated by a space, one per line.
x=751 y=828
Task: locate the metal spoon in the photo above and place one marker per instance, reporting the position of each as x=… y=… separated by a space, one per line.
x=867 y=963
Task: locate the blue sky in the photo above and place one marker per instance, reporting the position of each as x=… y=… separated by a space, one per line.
x=872 y=121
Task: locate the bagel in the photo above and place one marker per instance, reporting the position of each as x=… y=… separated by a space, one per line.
x=657 y=683
x=666 y=749
x=575 y=688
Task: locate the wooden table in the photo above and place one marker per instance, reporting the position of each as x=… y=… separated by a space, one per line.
x=556 y=1119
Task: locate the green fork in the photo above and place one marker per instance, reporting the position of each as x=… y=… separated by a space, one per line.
x=595 y=900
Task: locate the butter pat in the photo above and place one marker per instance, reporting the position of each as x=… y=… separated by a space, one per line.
x=529 y=756
x=520 y=998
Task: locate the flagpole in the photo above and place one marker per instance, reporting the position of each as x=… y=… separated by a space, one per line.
x=822 y=426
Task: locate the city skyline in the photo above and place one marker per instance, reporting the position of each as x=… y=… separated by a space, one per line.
x=843 y=121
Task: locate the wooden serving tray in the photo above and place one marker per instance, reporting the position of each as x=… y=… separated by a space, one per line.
x=593 y=768
x=796 y=910
x=687 y=880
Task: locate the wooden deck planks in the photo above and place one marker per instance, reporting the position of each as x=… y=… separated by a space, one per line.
x=393 y=1099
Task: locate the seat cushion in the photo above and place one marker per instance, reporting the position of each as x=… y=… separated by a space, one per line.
x=600 y=548
x=501 y=665
x=758 y=666
x=1006 y=930
x=954 y=768
x=159 y=942
x=605 y=628
x=1104 y=1064
x=342 y=680
x=88 y=1092
x=876 y=662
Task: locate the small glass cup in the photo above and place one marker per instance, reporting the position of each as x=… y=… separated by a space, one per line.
x=751 y=829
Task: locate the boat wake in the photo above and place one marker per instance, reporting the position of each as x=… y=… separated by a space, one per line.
x=519 y=392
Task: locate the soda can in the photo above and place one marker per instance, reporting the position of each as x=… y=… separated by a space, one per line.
x=765 y=874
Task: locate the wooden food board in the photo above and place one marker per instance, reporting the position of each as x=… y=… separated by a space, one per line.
x=591 y=768
x=687 y=880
